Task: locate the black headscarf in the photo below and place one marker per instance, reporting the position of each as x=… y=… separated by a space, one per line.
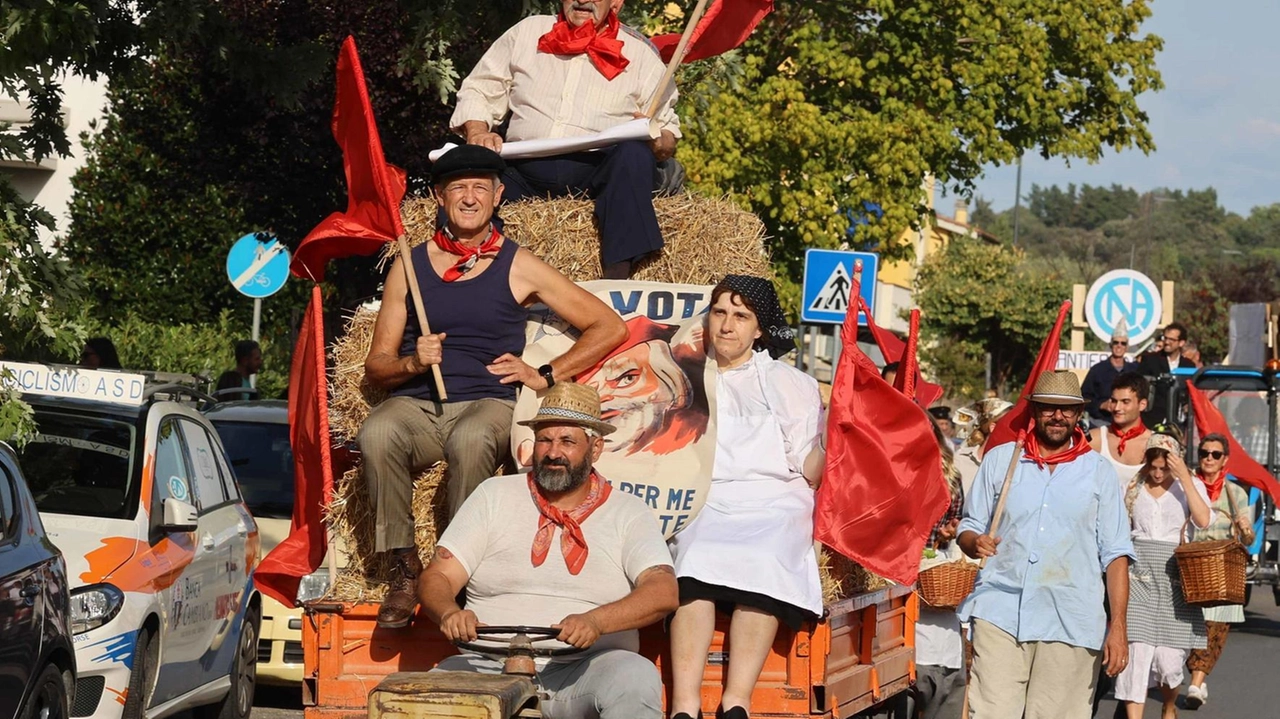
x=777 y=337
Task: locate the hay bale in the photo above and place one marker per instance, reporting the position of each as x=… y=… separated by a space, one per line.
x=705 y=238
x=351 y=519
x=843 y=578
x=351 y=398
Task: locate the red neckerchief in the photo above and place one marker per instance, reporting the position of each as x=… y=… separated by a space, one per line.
x=572 y=542
x=1215 y=486
x=603 y=46
x=1133 y=433
x=470 y=255
x=1079 y=448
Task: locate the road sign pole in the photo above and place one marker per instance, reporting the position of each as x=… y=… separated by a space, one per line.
x=810 y=340
x=257 y=325
x=836 y=348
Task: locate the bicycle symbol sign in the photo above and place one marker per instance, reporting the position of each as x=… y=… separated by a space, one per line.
x=1128 y=294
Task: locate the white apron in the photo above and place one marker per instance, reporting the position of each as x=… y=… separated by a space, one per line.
x=755 y=532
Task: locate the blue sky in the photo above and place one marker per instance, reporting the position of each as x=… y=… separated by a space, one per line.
x=1216 y=123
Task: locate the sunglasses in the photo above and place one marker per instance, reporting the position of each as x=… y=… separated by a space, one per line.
x=1213 y=454
x=1119 y=344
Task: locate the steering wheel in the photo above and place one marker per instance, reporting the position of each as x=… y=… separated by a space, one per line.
x=520 y=644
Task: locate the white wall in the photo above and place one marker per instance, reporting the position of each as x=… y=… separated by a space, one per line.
x=83 y=102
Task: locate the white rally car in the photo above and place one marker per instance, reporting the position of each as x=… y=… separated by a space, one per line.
x=134 y=487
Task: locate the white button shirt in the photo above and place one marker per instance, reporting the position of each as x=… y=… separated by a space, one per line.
x=1160 y=519
x=553 y=96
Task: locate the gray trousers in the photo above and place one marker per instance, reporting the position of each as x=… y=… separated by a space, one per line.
x=404 y=436
x=609 y=684
x=939 y=692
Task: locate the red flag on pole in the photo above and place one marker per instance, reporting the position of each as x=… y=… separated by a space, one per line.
x=374 y=187
x=302 y=551
x=726 y=25
x=883 y=489
x=908 y=367
x=1018 y=418
x=892 y=348
x=1239 y=464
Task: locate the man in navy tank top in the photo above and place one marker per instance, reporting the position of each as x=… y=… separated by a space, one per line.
x=475 y=285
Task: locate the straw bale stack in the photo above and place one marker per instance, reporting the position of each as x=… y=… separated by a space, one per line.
x=705 y=238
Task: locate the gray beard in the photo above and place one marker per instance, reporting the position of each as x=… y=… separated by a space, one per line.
x=560 y=479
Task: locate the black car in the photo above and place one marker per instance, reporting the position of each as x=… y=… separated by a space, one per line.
x=37 y=660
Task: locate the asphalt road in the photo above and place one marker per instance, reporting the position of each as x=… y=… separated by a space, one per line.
x=1246 y=682
x=277 y=703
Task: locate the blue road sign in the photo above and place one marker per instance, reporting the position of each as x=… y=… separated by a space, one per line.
x=1127 y=295
x=258 y=268
x=828 y=281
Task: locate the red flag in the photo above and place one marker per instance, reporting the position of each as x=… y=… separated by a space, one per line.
x=883 y=489
x=725 y=25
x=1006 y=430
x=892 y=349
x=302 y=551
x=909 y=368
x=374 y=188
x=1239 y=464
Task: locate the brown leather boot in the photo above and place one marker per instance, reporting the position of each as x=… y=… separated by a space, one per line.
x=402 y=597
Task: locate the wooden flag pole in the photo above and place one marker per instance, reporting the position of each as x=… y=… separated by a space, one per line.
x=669 y=77
x=997 y=515
x=416 y=292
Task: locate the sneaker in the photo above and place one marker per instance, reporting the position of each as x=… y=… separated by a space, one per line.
x=1196 y=696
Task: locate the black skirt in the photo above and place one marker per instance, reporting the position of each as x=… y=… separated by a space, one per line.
x=726 y=598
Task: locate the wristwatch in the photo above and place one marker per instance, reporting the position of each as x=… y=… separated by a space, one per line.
x=548 y=374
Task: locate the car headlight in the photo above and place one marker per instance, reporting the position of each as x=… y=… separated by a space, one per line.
x=313 y=586
x=93 y=606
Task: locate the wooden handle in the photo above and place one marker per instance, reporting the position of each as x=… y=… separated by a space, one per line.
x=421 y=312
x=682 y=48
x=997 y=515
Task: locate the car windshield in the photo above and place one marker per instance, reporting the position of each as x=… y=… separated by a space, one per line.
x=263 y=462
x=80 y=465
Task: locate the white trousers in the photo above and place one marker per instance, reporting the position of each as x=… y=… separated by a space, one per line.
x=1149 y=666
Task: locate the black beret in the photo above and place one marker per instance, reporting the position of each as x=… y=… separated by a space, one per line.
x=467 y=160
x=940 y=412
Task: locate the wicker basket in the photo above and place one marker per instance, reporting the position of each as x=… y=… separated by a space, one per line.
x=944 y=586
x=1212 y=571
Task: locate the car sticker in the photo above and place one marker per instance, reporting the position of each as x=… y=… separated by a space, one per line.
x=178 y=488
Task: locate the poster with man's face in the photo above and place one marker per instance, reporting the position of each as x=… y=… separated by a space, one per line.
x=656 y=388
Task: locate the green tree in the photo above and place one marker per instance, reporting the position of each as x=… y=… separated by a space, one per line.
x=976 y=299
x=844 y=103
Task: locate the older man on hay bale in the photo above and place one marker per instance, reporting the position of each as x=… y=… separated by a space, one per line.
x=476 y=285
x=578 y=73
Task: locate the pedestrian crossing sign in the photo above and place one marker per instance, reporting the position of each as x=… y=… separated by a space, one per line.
x=828 y=282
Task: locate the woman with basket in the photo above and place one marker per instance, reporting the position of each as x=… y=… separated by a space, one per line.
x=1162 y=627
x=946 y=578
x=1232 y=517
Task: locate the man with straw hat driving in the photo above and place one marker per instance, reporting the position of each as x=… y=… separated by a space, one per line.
x=608 y=573
x=1047 y=518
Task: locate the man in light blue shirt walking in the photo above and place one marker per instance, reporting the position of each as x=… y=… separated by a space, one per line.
x=1039 y=626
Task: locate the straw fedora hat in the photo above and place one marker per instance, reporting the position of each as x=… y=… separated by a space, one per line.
x=1059 y=387
x=570 y=403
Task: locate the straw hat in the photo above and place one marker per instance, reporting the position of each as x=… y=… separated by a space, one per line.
x=571 y=403
x=1059 y=387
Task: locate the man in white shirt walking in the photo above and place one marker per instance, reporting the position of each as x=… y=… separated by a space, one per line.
x=574 y=74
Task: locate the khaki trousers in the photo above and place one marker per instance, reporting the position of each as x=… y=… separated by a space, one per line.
x=1033 y=680
x=404 y=436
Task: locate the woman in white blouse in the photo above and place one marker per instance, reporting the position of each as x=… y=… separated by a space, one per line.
x=1162 y=626
x=749 y=552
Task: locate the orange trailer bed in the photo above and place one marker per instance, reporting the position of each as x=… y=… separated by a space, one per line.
x=861 y=654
